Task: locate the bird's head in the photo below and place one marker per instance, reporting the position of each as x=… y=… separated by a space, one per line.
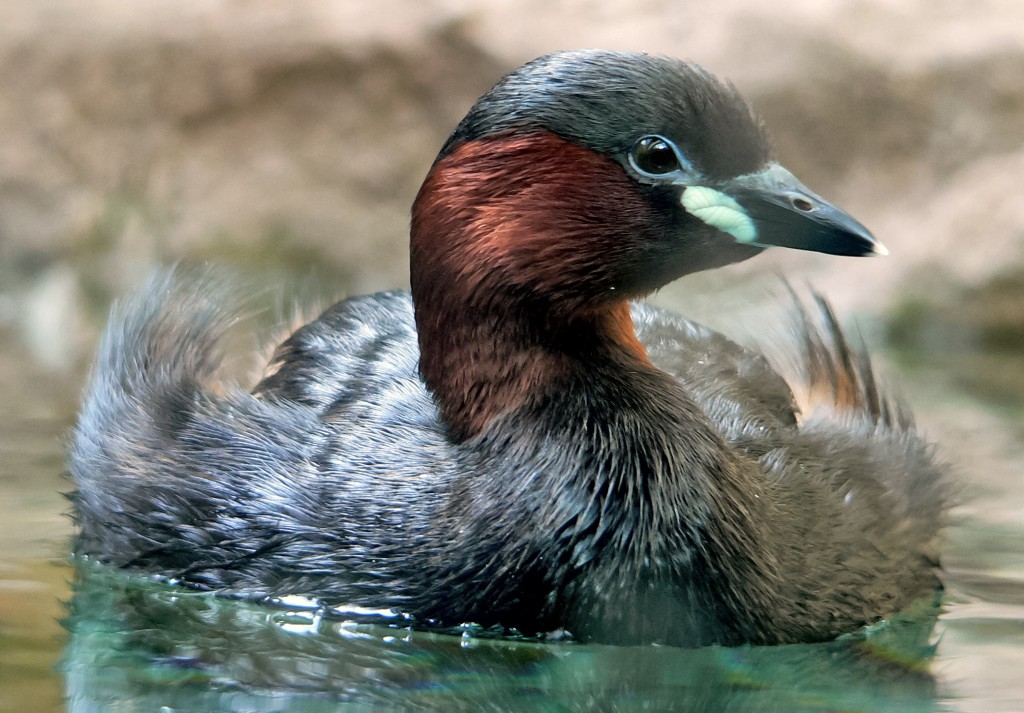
x=588 y=176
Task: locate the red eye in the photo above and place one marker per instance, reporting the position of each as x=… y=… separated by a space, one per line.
x=654 y=155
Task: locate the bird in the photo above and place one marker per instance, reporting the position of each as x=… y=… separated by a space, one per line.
x=519 y=442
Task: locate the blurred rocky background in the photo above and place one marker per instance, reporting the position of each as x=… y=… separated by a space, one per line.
x=285 y=139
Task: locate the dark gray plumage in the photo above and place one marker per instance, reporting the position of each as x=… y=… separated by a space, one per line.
x=589 y=97
x=334 y=479
x=512 y=454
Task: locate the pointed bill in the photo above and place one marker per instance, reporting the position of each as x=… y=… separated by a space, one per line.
x=772 y=208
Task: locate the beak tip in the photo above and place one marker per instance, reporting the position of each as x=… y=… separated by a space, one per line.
x=879 y=250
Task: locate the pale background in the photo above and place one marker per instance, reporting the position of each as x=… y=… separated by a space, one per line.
x=293 y=135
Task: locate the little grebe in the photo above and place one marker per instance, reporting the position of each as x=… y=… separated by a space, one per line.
x=514 y=443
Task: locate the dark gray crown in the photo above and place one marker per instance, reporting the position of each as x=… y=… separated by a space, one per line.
x=607 y=100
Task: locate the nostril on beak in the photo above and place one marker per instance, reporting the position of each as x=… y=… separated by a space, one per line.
x=802 y=204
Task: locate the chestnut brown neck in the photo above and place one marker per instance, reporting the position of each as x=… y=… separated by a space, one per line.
x=514 y=273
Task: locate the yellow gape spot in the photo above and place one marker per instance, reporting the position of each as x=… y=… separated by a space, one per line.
x=719 y=211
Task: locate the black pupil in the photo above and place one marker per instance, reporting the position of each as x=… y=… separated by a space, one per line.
x=656 y=156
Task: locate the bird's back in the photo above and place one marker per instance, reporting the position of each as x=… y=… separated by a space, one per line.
x=326 y=480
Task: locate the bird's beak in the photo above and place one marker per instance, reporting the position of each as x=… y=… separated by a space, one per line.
x=772 y=208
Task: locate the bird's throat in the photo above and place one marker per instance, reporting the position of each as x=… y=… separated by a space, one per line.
x=517 y=263
x=480 y=364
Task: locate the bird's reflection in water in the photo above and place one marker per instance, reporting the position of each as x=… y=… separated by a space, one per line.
x=139 y=645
